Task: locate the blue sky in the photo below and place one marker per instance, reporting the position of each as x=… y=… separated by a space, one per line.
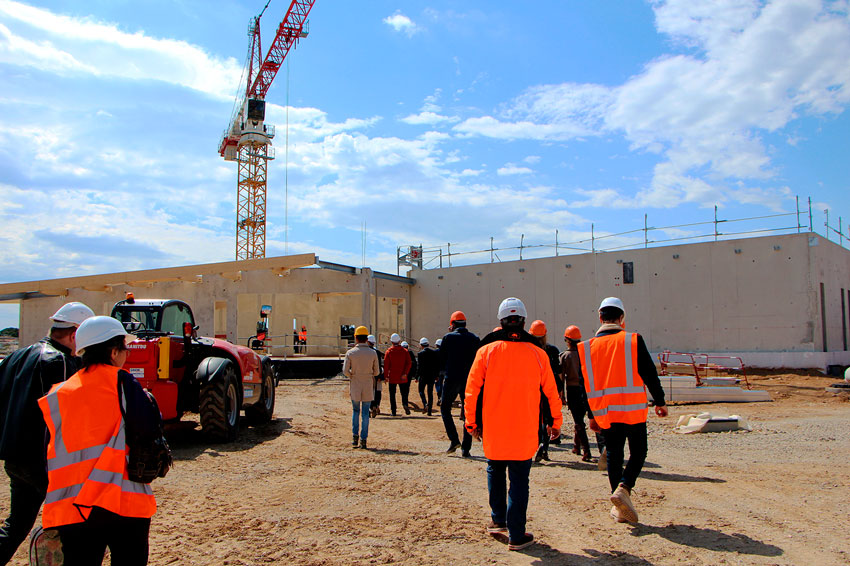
x=430 y=121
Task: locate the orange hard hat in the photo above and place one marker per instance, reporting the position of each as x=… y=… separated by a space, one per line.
x=538 y=328
x=457 y=315
x=572 y=332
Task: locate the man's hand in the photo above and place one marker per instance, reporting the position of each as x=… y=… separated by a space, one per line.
x=594 y=426
x=475 y=432
x=553 y=432
x=661 y=411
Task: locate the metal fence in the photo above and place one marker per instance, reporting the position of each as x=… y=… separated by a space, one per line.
x=448 y=255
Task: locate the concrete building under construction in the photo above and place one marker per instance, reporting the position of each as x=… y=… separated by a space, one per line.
x=777 y=301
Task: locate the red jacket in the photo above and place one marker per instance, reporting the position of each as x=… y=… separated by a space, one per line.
x=396 y=364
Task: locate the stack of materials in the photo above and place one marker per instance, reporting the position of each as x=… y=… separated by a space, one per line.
x=684 y=389
x=706 y=422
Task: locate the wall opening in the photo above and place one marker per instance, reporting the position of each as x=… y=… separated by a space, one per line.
x=823 y=316
x=843 y=321
x=628 y=272
x=220 y=320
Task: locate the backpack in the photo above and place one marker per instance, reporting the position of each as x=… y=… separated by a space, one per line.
x=149 y=454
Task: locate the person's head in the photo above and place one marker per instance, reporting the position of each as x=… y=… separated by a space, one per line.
x=439 y=342
x=103 y=340
x=423 y=342
x=361 y=334
x=395 y=339
x=538 y=330
x=303 y=327
x=612 y=311
x=457 y=320
x=66 y=321
x=512 y=314
x=405 y=345
x=371 y=340
x=572 y=335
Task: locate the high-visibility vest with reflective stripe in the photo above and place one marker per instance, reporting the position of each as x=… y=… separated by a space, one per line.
x=615 y=391
x=87 y=452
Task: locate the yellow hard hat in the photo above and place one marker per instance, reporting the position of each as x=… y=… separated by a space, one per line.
x=361 y=331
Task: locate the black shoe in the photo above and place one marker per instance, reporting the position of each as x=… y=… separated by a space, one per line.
x=526 y=541
x=453 y=448
x=465 y=454
x=363 y=443
x=354 y=441
x=407 y=410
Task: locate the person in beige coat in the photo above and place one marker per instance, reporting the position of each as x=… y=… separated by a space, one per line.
x=361 y=367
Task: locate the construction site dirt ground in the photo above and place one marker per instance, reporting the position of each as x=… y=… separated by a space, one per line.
x=295 y=492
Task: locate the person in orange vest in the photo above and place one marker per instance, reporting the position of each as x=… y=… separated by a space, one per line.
x=503 y=411
x=616 y=366
x=26 y=375
x=302 y=340
x=538 y=330
x=91 y=501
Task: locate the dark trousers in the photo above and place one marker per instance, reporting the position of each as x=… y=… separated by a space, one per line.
x=509 y=505
x=27 y=486
x=450 y=393
x=615 y=441
x=546 y=420
x=405 y=391
x=376 y=402
x=426 y=385
x=85 y=543
x=577 y=409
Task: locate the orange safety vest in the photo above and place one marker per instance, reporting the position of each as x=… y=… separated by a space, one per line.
x=615 y=391
x=87 y=452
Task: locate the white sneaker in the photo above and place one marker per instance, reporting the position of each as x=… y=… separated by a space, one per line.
x=615 y=513
x=623 y=502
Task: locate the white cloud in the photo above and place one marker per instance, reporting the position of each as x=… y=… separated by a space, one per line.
x=69 y=45
x=401 y=23
x=532 y=159
x=511 y=169
x=427 y=118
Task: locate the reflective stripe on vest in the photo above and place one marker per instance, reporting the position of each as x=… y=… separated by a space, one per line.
x=606 y=403
x=93 y=475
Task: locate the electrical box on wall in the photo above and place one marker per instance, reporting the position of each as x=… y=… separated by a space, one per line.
x=628 y=272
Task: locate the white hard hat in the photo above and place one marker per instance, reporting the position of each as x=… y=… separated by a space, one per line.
x=405 y=344
x=99 y=329
x=395 y=338
x=71 y=315
x=612 y=302
x=439 y=342
x=423 y=341
x=512 y=307
x=371 y=338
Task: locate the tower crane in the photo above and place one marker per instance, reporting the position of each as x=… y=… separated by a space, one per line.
x=247 y=139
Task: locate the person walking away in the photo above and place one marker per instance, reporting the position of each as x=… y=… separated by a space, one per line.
x=538 y=330
x=302 y=340
x=429 y=368
x=414 y=365
x=26 y=375
x=396 y=370
x=361 y=367
x=457 y=352
x=441 y=376
x=576 y=397
x=616 y=365
x=503 y=410
x=90 y=500
x=375 y=409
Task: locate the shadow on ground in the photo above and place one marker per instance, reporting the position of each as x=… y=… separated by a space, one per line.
x=187 y=442
x=710 y=539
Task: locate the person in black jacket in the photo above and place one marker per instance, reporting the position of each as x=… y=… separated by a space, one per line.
x=457 y=353
x=538 y=330
x=429 y=369
x=375 y=408
x=26 y=375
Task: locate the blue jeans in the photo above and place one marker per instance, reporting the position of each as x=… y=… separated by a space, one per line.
x=359 y=414
x=509 y=506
